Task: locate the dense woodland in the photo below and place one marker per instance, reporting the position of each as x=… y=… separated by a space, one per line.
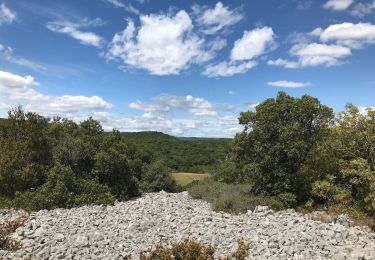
x=293 y=152
x=198 y=155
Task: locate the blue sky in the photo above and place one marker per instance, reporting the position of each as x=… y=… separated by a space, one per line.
x=181 y=67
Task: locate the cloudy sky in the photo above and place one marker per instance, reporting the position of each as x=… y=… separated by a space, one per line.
x=182 y=67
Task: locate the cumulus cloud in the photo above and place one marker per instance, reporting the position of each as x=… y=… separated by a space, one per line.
x=314 y=54
x=74 y=31
x=288 y=84
x=338 y=5
x=22 y=89
x=348 y=34
x=164 y=44
x=7 y=16
x=362 y=9
x=213 y=20
x=228 y=69
x=164 y=103
x=252 y=44
x=337 y=43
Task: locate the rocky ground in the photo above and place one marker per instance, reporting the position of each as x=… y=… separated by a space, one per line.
x=112 y=232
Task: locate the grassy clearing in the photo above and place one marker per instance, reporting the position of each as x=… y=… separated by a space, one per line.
x=232 y=198
x=185 y=178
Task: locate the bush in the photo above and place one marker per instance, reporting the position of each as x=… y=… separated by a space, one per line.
x=157 y=177
x=63 y=190
x=232 y=198
x=191 y=249
x=7 y=229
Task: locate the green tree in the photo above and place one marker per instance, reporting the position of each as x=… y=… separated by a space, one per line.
x=276 y=142
x=25 y=151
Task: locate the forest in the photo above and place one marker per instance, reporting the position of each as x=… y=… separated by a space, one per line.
x=197 y=155
x=292 y=153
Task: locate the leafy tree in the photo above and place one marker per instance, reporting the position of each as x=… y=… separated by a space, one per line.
x=25 y=151
x=276 y=142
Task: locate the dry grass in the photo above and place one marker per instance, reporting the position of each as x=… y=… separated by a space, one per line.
x=185 y=178
x=191 y=249
x=9 y=228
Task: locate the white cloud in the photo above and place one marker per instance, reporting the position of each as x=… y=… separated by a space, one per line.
x=314 y=54
x=338 y=5
x=21 y=89
x=147 y=107
x=362 y=9
x=288 y=84
x=253 y=44
x=127 y=7
x=74 y=31
x=228 y=69
x=231 y=92
x=164 y=103
x=6 y=53
x=364 y=110
x=284 y=63
x=164 y=44
x=7 y=16
x=216 y=19
x=348 y=34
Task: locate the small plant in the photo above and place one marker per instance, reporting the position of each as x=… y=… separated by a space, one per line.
x=191 y=249
x=7 y=229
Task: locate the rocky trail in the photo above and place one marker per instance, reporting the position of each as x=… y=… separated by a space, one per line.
x=127 y=228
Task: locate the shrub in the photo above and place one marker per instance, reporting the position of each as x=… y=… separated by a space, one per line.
x=7 y=229
x=63 y=190
x=232 y=198
x=191 y=249
x=157 y=177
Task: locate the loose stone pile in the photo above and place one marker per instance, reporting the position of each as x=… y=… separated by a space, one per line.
x=127 y=228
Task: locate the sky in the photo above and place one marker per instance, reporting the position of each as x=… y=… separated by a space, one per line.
x=185 y=68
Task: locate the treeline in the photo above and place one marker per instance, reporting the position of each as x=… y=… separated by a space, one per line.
x=298 y=151
x=47 y=164
x=182 y=155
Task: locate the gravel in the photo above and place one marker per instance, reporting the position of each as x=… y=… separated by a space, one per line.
x=127 y=228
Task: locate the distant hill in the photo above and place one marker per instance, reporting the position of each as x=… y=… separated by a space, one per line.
x=148 y=136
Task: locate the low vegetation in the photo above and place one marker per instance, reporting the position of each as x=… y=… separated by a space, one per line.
x=232 y=198
x=191 y=249
x=8 y=228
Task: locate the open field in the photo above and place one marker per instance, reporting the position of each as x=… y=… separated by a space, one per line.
x=184 y=178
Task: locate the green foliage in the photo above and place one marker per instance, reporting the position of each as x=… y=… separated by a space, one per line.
x=276 y=142
x=25 y=152
x=197 y=155
x=156 y=178
x=56 y=164
x=63 y=189
x=291 y=150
